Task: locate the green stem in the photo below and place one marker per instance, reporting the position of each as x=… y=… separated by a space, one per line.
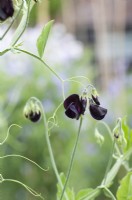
x=27 y=19
x=33 y=192
x=72 y=159
x=38 y=58
x=109 y=163
x=20 y=156
x=110 y=193
x=50 y=151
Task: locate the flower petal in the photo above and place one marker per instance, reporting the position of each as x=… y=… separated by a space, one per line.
x=97 y=112
x=6 y=9
x=74 y=98
x=72 y=112
x=75 y=106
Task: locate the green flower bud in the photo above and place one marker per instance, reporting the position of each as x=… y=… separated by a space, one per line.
x=119 y=134
x=32 y=110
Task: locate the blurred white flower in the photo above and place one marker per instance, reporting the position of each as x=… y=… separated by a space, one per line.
x=61 y=50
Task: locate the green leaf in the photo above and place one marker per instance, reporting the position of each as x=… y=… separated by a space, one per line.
x=124 y=125
x=127 y=133
x=113 y=172
x=124 y=191
x=88 y=194
x=42 y=39
x=69 y=192
x=83 y=193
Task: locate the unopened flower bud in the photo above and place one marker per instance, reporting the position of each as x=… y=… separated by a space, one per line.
x=119 y=134
x=32 y=110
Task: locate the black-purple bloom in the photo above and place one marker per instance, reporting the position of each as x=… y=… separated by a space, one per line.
x=96 y=111
x=6 y=9
x=75 y=106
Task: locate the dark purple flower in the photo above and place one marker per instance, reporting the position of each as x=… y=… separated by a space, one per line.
x=96 y=111
x=75 y=107
x=6 y=9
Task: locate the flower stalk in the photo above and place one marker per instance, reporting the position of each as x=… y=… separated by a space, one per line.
x=72 y=159
x=50 y=150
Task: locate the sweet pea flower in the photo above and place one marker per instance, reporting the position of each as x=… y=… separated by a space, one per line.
x=75 y=106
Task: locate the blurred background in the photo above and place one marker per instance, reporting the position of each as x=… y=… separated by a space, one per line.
x=91 y=38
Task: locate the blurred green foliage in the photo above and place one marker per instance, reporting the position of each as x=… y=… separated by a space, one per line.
x=91 y=159
x=29 y=141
